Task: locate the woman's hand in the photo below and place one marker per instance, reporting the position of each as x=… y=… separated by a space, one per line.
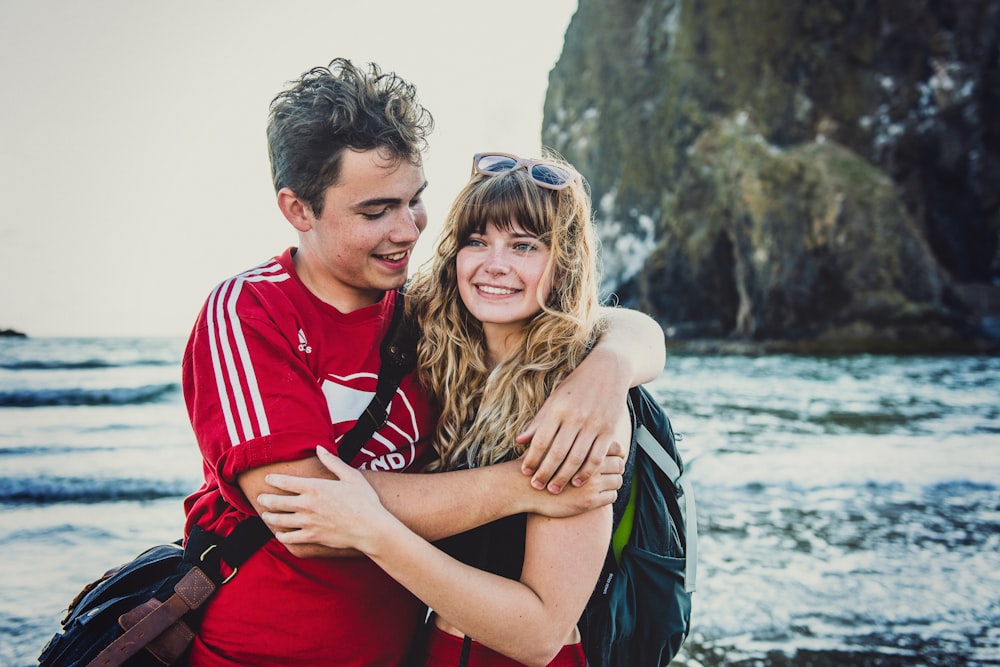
x=344 y=513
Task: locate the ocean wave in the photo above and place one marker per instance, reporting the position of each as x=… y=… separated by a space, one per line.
x=76 y=396
x=52 y=490
x=57 y=449
x=78 y=365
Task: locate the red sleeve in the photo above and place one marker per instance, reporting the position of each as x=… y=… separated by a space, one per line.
x=251 y=398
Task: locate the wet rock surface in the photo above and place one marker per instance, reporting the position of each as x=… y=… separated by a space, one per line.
x=819 y=173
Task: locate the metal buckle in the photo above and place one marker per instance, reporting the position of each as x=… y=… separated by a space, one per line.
x=231 y=574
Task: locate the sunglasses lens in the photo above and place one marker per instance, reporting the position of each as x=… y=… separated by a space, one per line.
x=494 y=164
x=550 y=175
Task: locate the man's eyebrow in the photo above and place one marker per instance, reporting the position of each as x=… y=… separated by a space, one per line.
x=381 y=201
x=388 y=201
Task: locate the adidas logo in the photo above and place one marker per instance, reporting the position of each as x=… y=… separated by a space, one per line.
x=303 y=344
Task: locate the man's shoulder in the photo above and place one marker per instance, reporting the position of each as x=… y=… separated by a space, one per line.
x=272 y=273
x=250 y=293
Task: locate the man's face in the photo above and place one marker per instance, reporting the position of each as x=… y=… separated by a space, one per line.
x=360 y=245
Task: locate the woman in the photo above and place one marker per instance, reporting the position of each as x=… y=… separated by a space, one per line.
x=508 y=308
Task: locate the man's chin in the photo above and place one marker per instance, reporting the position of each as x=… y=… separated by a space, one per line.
x=396 y=282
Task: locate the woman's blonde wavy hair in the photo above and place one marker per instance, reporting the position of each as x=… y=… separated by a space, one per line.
x=483 y=409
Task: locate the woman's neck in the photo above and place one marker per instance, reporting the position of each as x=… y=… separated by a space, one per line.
x=500 y=340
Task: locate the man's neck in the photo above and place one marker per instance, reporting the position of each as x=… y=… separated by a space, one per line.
x=331 y=292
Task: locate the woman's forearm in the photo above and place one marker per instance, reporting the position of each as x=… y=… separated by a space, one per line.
x=440 y=505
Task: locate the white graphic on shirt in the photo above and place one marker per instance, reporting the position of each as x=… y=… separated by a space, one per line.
x=393 y=447
x=303 y=345
x=345 y=403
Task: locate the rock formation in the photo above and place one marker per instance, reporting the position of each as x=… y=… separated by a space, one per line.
x=824 y=172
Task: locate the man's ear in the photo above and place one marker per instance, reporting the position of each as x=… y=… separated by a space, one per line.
x=296 y=211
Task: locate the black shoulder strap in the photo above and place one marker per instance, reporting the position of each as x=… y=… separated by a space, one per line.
x=399 y=357
x=209 y=551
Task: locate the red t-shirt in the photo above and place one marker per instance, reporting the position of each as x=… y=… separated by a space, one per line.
x=271 y=371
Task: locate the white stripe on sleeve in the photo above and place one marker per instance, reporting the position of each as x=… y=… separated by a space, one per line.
x=225 y=330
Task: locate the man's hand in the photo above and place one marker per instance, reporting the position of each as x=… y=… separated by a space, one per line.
x=600 y=490
x=574 y=430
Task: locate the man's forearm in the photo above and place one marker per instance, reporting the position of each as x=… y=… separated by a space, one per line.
x=438 y=505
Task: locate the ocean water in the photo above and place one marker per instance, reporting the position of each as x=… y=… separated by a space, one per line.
x=848 y=506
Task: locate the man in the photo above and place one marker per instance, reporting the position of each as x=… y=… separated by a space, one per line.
x=285 y=357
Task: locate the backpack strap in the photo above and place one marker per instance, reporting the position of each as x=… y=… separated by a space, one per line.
x=208 y=551
x=463 y=658
x=654 y=450
x=399 y=357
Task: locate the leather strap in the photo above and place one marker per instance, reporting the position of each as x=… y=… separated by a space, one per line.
x=189 y=593
x=172 y=642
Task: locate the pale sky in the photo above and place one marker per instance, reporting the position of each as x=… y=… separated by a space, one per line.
x=133 y=163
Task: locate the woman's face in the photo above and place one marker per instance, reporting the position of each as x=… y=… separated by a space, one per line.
x=499 y=274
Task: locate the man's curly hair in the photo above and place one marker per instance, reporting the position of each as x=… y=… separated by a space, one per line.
x=330 y=109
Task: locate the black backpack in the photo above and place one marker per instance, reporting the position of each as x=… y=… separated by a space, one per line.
x=640 y=611
x=153 y=602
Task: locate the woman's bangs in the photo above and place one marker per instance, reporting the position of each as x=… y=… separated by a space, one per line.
x=501 y=200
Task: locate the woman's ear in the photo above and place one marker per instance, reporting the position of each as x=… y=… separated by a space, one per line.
x=296 y=211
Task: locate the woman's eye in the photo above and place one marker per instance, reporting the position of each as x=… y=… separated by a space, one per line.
x=524 y=246
x=474 y=243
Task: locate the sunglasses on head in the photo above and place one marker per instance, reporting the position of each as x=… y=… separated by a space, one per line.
x=544 y=174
